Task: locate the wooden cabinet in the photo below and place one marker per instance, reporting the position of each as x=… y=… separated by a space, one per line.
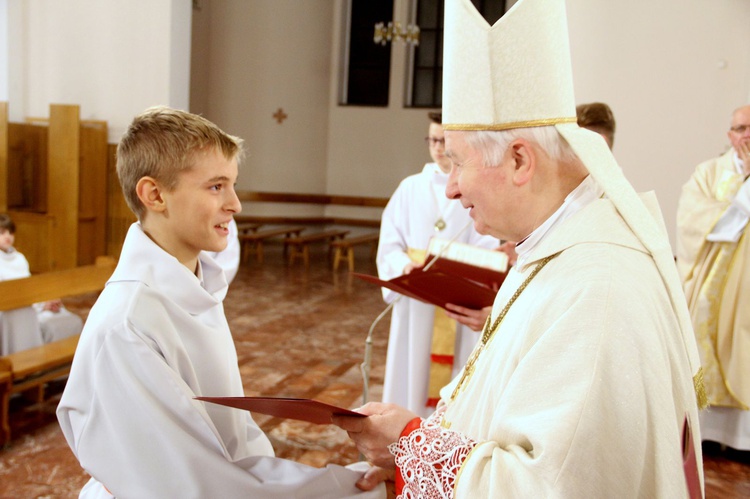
x=54 y=174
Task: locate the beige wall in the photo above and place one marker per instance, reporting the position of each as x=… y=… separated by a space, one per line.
x=113 y=59
x=265 y=55
x=252 y=57
x=383 y=145
x=672 y=71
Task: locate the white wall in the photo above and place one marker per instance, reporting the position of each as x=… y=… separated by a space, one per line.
x=672 y=71
x=3 y=50
x=113 y=58
x=257 y=57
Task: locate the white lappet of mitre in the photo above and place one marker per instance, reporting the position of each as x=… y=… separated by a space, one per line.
x=516 y=74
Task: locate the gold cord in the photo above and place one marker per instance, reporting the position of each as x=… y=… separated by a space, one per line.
x=489 y=331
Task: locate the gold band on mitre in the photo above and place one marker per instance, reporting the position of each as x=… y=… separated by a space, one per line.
x=499 y=127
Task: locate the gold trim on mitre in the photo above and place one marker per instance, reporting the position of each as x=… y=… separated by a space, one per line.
x=510 y=126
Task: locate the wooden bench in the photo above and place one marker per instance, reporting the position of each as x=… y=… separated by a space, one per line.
x=255 y=239
x=344 y=248
x=361 y=211
x=29 y=371
x=299 y=245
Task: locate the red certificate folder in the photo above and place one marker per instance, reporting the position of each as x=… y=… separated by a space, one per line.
x=308 y=410
x=447 y=281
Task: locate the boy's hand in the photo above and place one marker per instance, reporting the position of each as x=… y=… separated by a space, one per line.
x=374 y=476
x=411 y=267
x=53 y=305
x=470 y=317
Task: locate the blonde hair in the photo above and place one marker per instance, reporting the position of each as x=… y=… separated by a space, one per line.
x=493 y=144
x=161 y=143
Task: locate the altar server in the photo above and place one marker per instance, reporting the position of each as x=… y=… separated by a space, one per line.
x=157 y=337
x=427 y=345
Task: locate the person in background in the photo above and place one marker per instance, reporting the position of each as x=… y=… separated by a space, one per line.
x=157 y=337
x=29 y=327
x=713 y=254
x=427 y=345
x=597 y=117
x=586 y=380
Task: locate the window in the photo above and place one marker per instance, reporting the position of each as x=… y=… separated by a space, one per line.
x=427 y=60
x=367 y=64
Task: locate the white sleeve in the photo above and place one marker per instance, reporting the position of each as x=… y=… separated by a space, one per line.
x=733 y=221
x=392 y=255
x=742 y=199
x=142 y=438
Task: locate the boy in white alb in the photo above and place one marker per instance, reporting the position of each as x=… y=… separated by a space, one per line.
x=157 y=337
x=29 y=327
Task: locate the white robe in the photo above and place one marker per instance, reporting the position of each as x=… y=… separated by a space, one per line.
x=408 y=222
x=583 y=389
x=30 y=327
x=156 y=338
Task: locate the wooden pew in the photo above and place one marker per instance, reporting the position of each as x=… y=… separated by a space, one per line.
x=344 y=248
x=299 y=245
x=30 y=370
x=248 y=227
x=255 y=239
x=366 y=210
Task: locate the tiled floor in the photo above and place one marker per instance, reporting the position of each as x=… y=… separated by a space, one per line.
x=299 y=333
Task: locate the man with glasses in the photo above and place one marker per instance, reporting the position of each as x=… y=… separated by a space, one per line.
x=712 y=215
x=426 y=347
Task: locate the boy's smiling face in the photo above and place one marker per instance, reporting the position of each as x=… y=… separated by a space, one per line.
x=195 y=215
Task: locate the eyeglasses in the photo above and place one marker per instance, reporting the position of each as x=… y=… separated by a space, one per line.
x=432 y=141
x=740 y=128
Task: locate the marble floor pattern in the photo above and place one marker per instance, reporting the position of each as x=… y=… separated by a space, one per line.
x=299 y=333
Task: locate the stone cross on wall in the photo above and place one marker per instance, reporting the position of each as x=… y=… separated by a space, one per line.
x=280 y=115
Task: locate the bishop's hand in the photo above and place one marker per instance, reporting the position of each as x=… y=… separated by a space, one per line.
x=373 y=434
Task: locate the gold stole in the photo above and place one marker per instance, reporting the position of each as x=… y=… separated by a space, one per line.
x=714 y=310
x=442 y=352
x=715 y=300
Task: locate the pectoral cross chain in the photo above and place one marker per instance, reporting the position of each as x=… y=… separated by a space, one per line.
x=489 y=330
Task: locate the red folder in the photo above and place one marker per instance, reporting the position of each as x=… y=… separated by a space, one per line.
x=446 y=281
x=308 y=410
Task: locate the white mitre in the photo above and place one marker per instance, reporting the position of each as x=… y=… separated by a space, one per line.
x=517 y=74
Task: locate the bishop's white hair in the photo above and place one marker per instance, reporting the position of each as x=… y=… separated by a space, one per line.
x=493 y=144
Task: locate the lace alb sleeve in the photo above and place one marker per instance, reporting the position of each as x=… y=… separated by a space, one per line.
x=428 y=458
